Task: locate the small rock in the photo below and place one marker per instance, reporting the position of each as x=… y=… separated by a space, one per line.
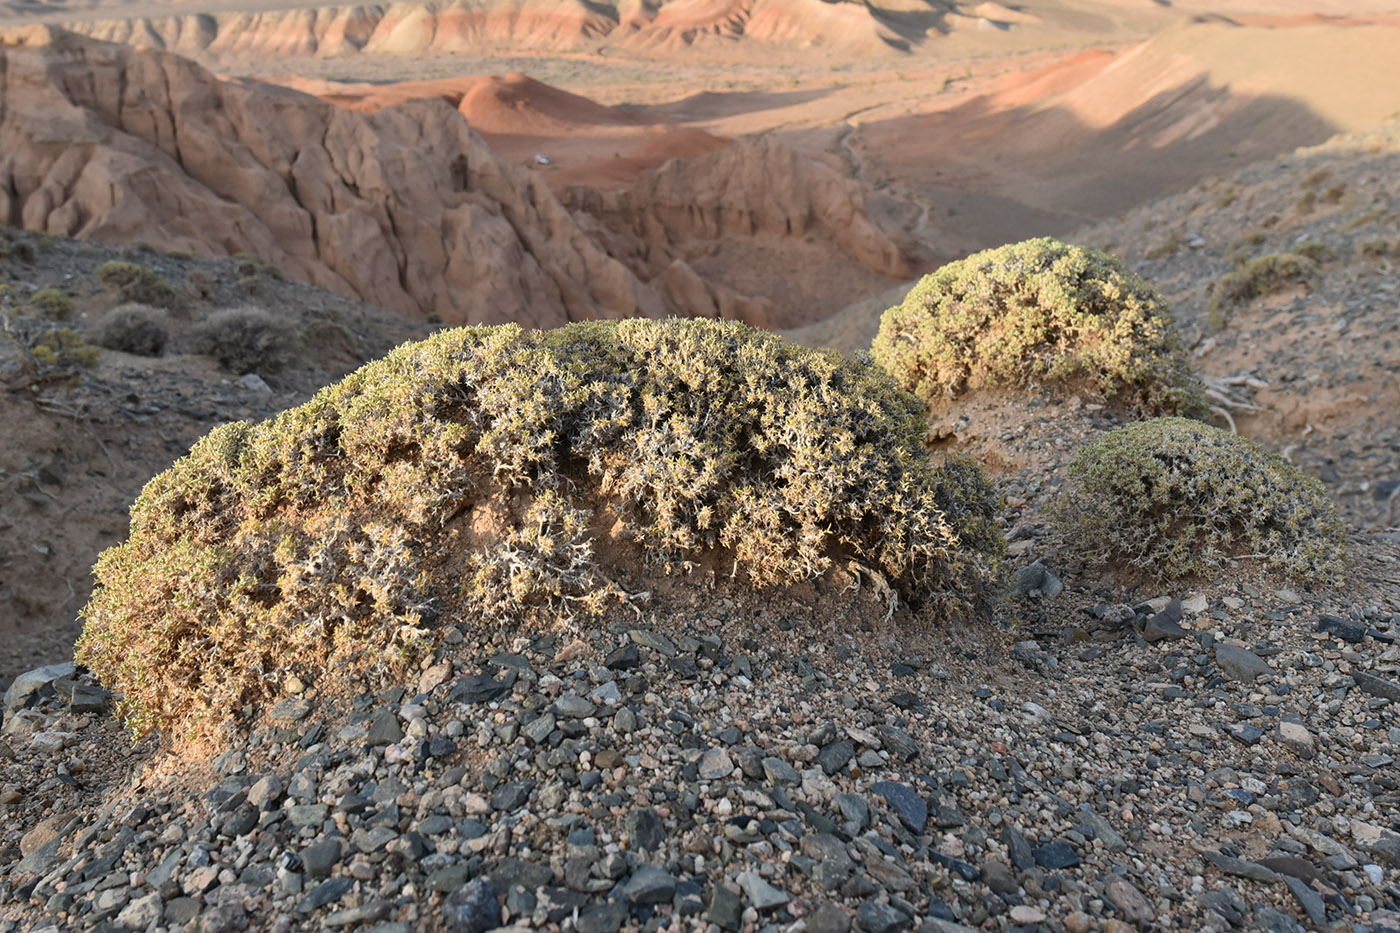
x=649 y=885
x=762 y=895
x=1345 y=629
x=877 y=917
x=1129 y=900
x=715 y=764
x=724 y=908
x=1054 y=856
x=1024 y=914
x=472 y=908
x=907 y=805
x=31 y=682
x=1239 y=664
x=1297 y=738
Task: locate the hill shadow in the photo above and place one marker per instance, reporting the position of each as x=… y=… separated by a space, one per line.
x=1050 y=170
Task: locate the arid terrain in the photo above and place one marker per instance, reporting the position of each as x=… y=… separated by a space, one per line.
x=210 y=211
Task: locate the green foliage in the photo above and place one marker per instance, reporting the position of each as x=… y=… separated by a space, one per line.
x=476 y=474
x=134 y=328
x=138 y=284
x=53 y=304
x=1177 y=498
x=60 y=353
x=244 y=339
x=1040 y=310
x=1259 y=276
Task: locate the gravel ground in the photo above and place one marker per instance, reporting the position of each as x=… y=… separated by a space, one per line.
x=1191 y=761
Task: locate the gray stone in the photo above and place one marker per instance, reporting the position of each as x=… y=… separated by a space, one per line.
x=368 y=912
x=472 y=908
x=778 y=771
x=715 y=764
x=998 y=877
x=384 y=728
x=141 y=913
x=89 y=699
x=603 y=918
x=308 y=814
x=724 y=908
x=1308 y=899
x=539 y=728
x=907 y=805
x=645 y=827
x=829 y=918
x=327 y=892
x=897 y=742
x=1101 y=829
x=1128 y=899
x=241 y=821
x=1345 y=629
x=318 y=859
x=835 y=756
x=266 y=792
x=761 y=895
x=1165 y=625
x=1377 y=686
x=1239 y=664
x=512 y=796
x=31 y=682
x=1037 y=578
x=649 y=885
x=1239 y=867
x=854 y=812
x=571 y=706
x=1022 y=856
x=1056 y=855
x=877 y=917
x=1297 y=738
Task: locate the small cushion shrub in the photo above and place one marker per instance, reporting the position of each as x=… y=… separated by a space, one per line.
x=134 y=328
x=136 y=283
x=1175 y=498
x=52 y=303
x=1038 y=311
x=244 y=339
x=1259 y=276
x=473 y=476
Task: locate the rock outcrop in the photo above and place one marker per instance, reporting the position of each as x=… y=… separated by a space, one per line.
x=406 y=207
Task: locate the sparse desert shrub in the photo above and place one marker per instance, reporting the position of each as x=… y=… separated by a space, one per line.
x=1361 y=220
x=1334 y=194
x=53 y=304
x=244 y=339
x=1227 y=198
x=1314 y=179
x=1378 y=248
x=1316 y=250
x=1167 y=247
x=139 y=284
x=1306 y=202
x=134 y=328
x=1040 y=310
x=251 y=265
x=1246 y=243
x=201 y=284
x=20 y=250
x=53 y=354
x=1175 y=498
x=1260 y=276
x=475 y=474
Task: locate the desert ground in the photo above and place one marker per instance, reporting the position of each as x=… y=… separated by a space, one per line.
x=209 y=212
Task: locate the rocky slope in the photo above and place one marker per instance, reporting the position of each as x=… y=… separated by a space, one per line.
x=1311 y=357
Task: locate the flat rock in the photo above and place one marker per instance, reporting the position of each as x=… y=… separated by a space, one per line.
x=1240 y=664
x=761 y=895
x=907 y=805
x=31 y=682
